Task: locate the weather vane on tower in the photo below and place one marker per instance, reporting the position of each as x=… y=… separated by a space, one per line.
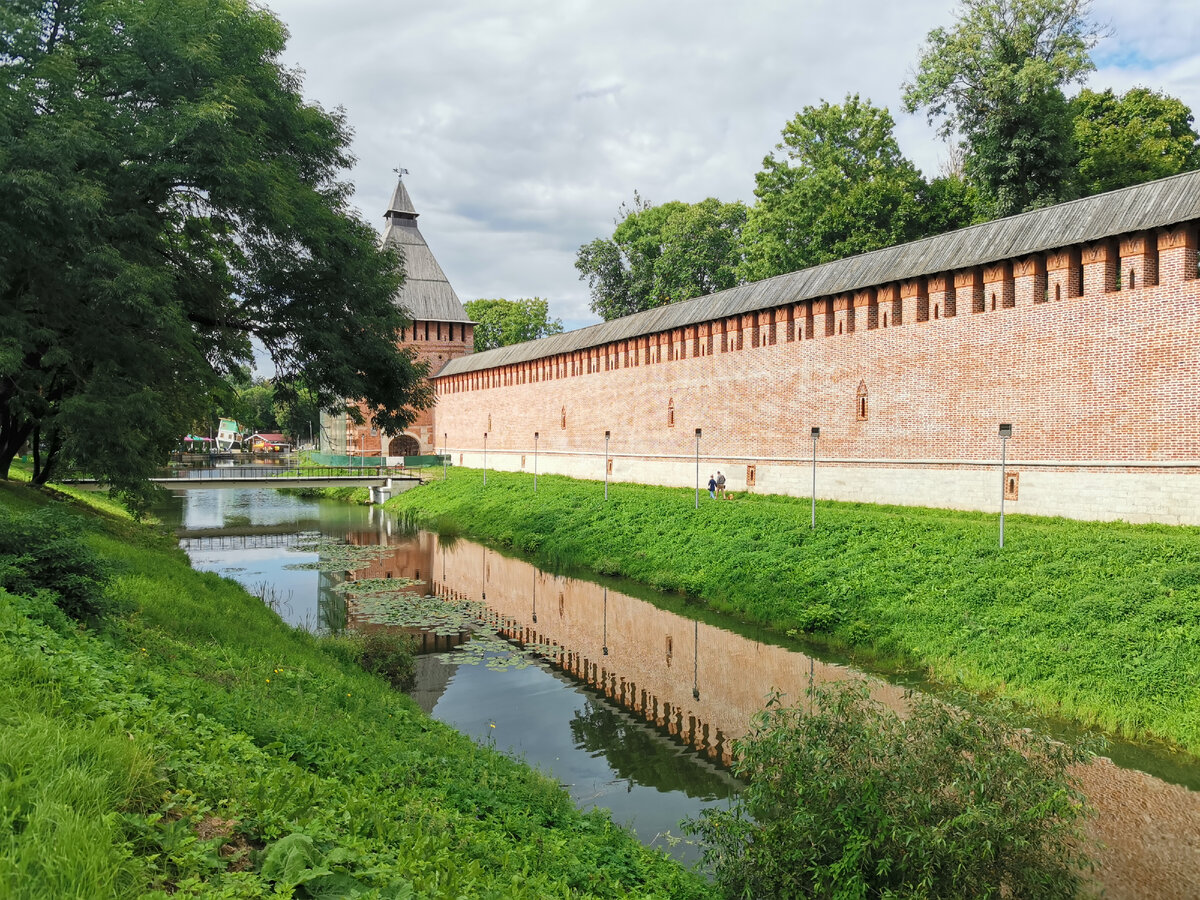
x=400 y=172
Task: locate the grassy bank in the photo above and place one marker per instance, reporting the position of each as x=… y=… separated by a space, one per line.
x=1096 y=622
x=190 y=744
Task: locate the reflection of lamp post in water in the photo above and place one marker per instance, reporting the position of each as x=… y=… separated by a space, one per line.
x=535 y=596
x=696 y=654
x=606 y=621
x=483 y=574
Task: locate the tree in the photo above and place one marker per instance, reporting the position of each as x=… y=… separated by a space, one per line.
x=835 y=186
x=850 y=800
x=662 y=254
x=165 y=194
x=501 y=322
x=1133 y=138
x=996 y=78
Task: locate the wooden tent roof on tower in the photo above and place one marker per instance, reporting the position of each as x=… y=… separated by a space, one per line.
x=426 y=294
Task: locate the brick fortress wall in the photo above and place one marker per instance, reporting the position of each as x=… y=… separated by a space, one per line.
x=1092 y=352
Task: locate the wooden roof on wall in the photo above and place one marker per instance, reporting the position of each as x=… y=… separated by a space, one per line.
x=1168 y=201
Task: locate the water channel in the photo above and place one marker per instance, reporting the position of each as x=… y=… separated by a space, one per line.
x=630 y=700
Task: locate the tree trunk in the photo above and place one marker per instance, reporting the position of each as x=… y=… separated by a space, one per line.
x=13 y=435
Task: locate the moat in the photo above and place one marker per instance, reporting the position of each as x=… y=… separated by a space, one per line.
x=631 y=701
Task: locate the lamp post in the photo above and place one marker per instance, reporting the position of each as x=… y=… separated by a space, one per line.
x=816 y=433
x=1005 y=434
x=485 y=459
x=445 y=453
x=697 y=468
x=311 y=446
x=535 y=443
x=606 y=435
x=535 y=596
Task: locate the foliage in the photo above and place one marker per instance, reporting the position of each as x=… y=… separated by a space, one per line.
x=1095 y=622
x=1138 y=136
x=662 y=254
x=835 y=186
x=200 y=748
x=43 y=556
x=996 y=78
x=850 y=800
x=499 y=323
x=166 y=194
x=388 y=654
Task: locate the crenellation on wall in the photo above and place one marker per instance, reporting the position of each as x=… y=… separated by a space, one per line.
x=1100 y=261
x=1138 y=261
x=1177 y=255
x=942 y=297
x=1029 y=281
x=999 y=289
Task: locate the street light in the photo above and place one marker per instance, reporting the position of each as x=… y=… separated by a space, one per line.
x=697 y=468
x=445 y=453
x=606 y=435
x=816 y=433
x=485 y=459
x=1005 y=434
x=535 y=442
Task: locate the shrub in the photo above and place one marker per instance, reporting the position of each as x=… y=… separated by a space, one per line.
x=390 y=655
x=43 y=551
x=853 y=801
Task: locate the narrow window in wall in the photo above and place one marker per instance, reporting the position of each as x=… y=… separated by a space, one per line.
x=993 y=301
x=1011 y=483
x=489 y=422
x=839 y=327
x=671 y=413
x=610 y=462
x=860 y=402
x=884 y=325
x=1058 y=292
x=403 y=334
x=522 y=460
x=935 y=310
x=563 y=421
x=1132 y=279
x=751 y=474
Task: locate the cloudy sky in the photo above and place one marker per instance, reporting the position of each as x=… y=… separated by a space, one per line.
x=524 y=124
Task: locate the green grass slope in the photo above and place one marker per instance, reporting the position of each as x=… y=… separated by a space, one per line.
x=1095 y=622
x=196 y=746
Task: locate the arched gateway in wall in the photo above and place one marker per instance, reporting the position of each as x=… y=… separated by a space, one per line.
x=404 y=445
x=1096 y=368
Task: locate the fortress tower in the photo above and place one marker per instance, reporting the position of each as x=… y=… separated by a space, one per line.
x=440 y=331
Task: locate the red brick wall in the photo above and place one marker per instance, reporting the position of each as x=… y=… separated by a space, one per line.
x=1113 y=375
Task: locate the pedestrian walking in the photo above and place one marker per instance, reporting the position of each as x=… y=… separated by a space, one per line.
x=720 y=483
x=712 y=488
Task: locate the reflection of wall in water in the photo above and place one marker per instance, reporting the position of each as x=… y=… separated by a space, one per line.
x=657 y=661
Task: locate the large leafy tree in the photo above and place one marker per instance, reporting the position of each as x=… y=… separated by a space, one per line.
x=165 y=194
x=663 y=254
x=501 y=322
x=1132 y=138
x=996 y=79
x=835 y=186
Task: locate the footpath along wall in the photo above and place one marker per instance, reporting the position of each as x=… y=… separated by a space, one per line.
x=1078 y=324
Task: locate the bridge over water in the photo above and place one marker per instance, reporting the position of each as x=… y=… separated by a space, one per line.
x=232 y=477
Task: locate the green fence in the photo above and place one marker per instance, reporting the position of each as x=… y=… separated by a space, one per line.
x=409 y=462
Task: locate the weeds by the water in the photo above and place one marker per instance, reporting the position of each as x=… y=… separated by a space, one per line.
x=201 y=748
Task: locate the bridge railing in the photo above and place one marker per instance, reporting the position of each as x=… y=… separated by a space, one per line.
x=265 y=473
